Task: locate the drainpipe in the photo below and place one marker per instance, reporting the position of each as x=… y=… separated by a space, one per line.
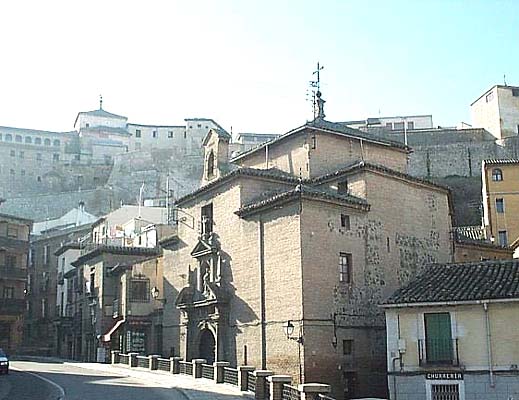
x=261 y=247
x=394 y=376
x=489 y=346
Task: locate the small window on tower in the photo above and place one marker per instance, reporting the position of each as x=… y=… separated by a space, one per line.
x=345 y=222
x=342 y=187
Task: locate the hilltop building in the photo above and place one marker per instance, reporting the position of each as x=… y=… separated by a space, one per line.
x=497 y=111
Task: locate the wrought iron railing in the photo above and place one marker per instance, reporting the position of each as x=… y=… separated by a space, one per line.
x=207 y=371
x=291 y=393
x=163 y=364
x=185 y=367
x=116 y=308
x=432 y=351
x=143 y=362
x=13 y=272
x=12 y=306
x=251 y=382
x=124 y=359
x=230 y=375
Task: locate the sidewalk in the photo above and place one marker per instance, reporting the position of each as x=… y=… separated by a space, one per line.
x=193 y=389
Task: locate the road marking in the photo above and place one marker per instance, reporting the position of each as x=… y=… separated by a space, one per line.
x=60 y=389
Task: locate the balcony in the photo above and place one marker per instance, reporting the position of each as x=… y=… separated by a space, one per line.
x=438 y=352
x=61 y=278
x=12 y=306
x=11 y=272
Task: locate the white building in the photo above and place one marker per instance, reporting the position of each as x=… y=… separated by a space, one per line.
x=497 y=110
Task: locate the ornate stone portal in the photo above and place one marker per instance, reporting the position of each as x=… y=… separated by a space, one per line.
x=204 y=304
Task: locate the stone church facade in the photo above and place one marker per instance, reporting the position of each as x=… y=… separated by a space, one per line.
x=311 y=230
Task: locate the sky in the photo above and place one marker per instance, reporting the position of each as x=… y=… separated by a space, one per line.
x=247 y=64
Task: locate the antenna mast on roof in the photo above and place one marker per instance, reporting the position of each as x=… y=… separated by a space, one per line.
x=100 y=101
x=316 y=88
x=504 y=79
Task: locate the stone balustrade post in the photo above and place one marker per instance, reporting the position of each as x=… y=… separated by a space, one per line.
x=174 y=365
x=115 y=356
x=276 y=385
x=154 y=361
x=311 y=391
x=242 y=376
x=197 y=367
x=133 y=359
x=219 y=370
x=261 y=383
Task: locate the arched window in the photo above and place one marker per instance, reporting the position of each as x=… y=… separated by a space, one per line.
x=28 y=139
x=210 y=165
x=8 y=137
x=18 y=139
x=56 y=143
x=37 y=140
x=497 y=175
x=46 y=142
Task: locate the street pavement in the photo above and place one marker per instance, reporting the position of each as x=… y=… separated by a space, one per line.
x=61 y=380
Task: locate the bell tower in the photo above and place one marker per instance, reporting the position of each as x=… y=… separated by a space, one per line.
x=216 y=155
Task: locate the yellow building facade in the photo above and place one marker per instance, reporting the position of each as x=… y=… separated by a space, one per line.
x=452 y=334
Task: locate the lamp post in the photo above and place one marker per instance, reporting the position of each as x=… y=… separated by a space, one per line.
x=288 y=328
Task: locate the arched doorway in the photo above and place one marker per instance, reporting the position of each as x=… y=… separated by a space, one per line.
x=207 y=346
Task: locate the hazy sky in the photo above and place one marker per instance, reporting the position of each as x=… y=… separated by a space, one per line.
x=247 y=64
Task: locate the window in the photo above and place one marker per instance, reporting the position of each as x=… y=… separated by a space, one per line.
x=438 y=339
x=399 y=126
x=140 y=290
x=18 y=139
x=199 y=126
x=154 y=134
x=185 y=134
x=347 y=347
x=410 y=125
x=344 y=267
x=137 y=146
x=46 y=142
x=28 y=139
x=55 y=157
x=38 y=156
x=207 y=219
x=8 y=137
x=170 y=134
x=46 y=254
x=489 y=97
x=210 y=165
x=445 y=392
x=515 y=92
x=12 y=153
x=138 y=133
x=21 y=154
x=342 y=187
x=87 y=125
x=38 y=178
x=22 y=172
x=10 y=261
x=37 y=140
x=503 y=239
x=345 y=222
x=11 y=171
x=8 y=292
x=500 y=206
x=497 y=175
x=12 y=231
x=56 y=143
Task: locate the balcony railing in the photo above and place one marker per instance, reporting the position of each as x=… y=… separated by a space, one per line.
x=433 y=352
x=12 y=272
x=12 y=306
x=116 y=311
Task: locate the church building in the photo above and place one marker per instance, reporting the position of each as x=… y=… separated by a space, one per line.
x=285 y=252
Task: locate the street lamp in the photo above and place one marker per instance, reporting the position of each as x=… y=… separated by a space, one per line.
x=155 y=292
x=288 y=328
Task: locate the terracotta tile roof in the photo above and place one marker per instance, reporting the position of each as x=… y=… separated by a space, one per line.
x=358 y=165
x=502 y=161
x=271 y=173
x=467 y=282
x=303 y=191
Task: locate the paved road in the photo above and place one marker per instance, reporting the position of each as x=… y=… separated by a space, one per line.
x=50 y=381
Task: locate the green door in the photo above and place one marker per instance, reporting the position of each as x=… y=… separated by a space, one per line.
x=438 y=339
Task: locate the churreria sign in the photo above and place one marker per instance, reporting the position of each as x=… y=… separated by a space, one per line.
x=444 y=376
